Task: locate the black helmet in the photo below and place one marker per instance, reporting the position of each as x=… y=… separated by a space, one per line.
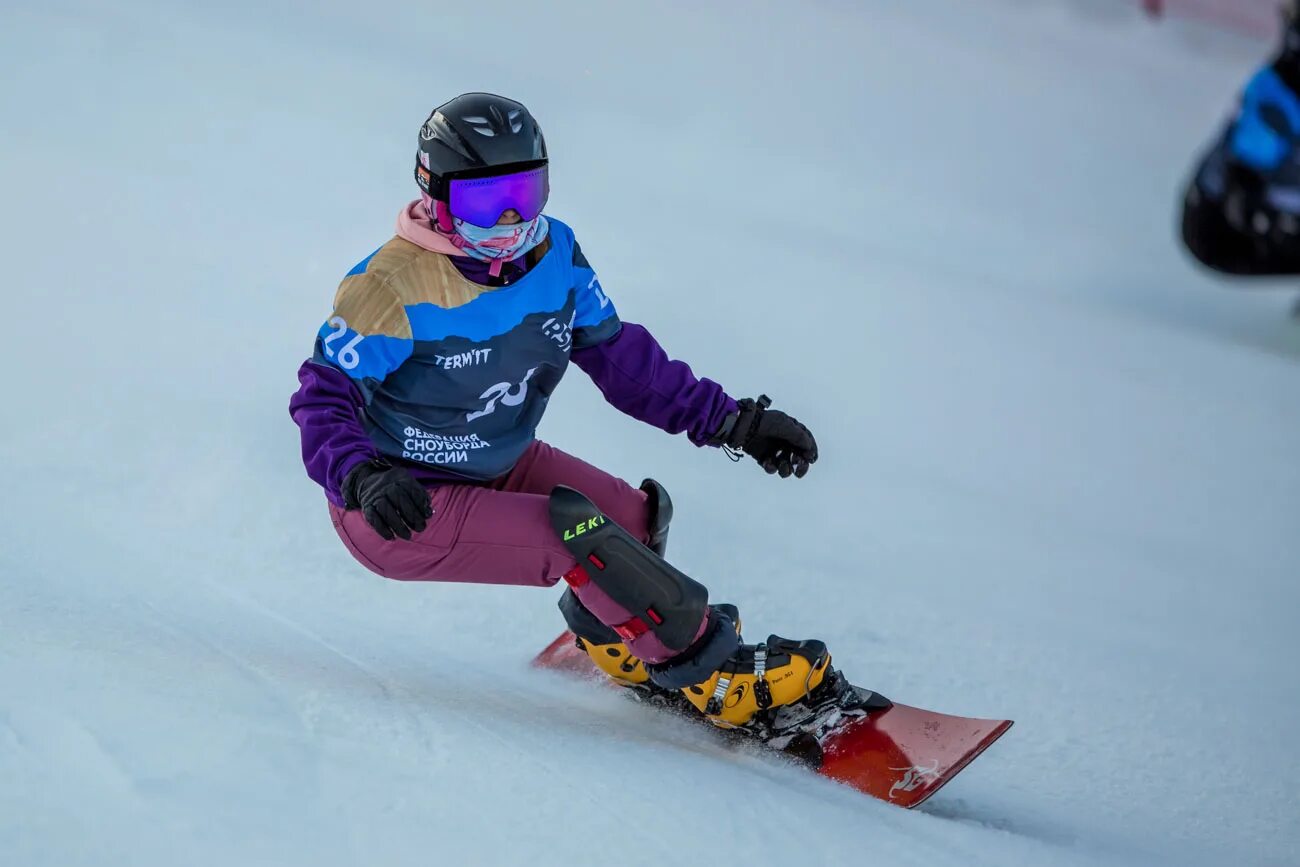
x=476 y=134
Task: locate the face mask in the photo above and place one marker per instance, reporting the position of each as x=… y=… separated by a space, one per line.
x=499 y=242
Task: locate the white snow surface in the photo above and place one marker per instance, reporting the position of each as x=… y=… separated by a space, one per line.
x=1059 y=478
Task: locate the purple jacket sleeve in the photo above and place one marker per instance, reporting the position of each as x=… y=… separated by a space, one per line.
x=637 y=377
x=327 y=408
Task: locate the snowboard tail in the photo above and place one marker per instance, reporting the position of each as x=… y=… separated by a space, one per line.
x=901 y=754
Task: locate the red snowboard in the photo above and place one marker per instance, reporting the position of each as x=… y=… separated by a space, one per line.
x=902 y=755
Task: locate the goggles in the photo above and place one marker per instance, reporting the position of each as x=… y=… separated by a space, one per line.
x=481 y=199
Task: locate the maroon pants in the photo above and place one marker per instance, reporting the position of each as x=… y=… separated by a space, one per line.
x=500 y=533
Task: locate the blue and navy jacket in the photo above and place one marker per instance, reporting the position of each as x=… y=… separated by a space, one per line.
x=427 y=367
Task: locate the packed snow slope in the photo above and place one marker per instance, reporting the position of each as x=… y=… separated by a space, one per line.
x=1059 y=478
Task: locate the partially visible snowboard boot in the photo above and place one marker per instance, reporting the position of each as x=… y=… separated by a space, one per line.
x=606 y=648
x=601 y=643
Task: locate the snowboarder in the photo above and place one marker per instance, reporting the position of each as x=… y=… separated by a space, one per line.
x=1241 y=211
x=419 y=406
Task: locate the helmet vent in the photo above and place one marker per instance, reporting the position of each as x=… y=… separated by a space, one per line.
x=480 y=125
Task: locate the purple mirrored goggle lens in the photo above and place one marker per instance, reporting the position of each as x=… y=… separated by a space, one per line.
x=482 y=201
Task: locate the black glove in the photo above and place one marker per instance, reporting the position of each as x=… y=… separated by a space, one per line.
x=777 y=441
x=389 y=497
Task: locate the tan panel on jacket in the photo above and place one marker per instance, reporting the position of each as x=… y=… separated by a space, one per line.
x=399 y=275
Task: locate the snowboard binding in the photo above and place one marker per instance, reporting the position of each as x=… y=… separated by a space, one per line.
x=797 y=727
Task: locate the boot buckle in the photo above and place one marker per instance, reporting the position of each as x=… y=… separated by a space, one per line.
x=719 y=693
x=762 y=692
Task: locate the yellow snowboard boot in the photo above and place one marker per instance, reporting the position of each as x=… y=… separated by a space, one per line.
x=760 y=677
x=615 y=660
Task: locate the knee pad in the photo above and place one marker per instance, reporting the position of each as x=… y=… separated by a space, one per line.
x=666 y=601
